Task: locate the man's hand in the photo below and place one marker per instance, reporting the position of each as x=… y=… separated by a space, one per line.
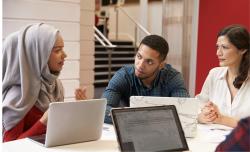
x=80 y=93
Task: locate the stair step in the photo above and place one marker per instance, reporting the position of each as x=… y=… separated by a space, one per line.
x=121 y=42
x=117 y=46
x=102 y=81
x=117 y=42
x=123 y=54
x=103 y=73
x=115 y=59
x=115 y=52
x=113 y=65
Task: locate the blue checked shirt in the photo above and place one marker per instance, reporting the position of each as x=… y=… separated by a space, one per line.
x=168 y=83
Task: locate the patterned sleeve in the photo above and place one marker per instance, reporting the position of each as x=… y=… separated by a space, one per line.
x=238 y=139
x=177 y=86
x=118 y=86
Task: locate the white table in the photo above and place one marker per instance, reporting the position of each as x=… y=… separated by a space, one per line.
x=204 y=141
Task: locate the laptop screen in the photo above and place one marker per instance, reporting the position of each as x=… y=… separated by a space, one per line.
x=187 y=109
x=73 y=122
x=149 y=129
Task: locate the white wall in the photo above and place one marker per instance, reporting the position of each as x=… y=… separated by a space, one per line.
x=66 y=16
x=126 y=27
x=155 y=18
x=87 y=61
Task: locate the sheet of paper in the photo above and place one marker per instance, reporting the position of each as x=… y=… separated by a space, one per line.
x=213 y=133
x=108 y=132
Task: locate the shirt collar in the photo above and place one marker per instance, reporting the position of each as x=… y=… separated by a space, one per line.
x=155 y=82
x=223 y=74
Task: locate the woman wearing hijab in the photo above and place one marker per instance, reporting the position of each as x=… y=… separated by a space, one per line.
x=227 y=88
x=32 y=60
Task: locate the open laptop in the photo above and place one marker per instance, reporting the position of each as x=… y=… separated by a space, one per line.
x=73 y=122
x=155 y=128
x=187 y=109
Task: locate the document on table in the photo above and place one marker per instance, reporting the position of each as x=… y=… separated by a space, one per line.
x=214 y=132
x=108 y=132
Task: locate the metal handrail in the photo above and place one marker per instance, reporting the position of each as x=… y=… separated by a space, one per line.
x=99 y=36
x=100 y=40
x=109 y=46
x=133 y=20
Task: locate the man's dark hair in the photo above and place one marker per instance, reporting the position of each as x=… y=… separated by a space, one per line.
x=157 y=43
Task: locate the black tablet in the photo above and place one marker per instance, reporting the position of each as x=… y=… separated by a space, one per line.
x=149 y=129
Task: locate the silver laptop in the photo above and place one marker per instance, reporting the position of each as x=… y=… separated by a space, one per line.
x=187 y=109
x=156 y=128
x=73 y=122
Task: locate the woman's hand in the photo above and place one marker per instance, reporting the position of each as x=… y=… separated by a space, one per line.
x=217 y=111
x=80 y=93
x=225 y=120
x=209 y=113
x=44 y=118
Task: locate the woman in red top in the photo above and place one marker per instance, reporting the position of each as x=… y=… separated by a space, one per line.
x=32 y=60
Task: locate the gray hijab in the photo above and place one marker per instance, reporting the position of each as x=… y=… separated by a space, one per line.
x=27 y=80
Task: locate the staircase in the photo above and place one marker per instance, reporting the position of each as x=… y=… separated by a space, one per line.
x=108 y=61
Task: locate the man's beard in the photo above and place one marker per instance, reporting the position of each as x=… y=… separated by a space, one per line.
x=149 y=76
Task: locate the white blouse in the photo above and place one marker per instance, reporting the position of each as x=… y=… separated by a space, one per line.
x=215 y=89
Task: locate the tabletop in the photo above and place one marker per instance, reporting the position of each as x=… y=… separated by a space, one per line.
x=206 y=140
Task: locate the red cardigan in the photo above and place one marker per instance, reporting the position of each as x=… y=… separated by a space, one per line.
x=28 y=126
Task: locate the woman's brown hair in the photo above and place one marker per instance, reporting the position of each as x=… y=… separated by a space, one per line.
x=239 y=37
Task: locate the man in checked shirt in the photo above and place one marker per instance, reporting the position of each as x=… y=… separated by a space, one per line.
x=149 y=76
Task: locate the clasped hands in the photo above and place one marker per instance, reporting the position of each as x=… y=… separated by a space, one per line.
x=209 y=113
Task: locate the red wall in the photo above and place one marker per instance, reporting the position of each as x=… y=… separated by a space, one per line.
x=213 y=16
